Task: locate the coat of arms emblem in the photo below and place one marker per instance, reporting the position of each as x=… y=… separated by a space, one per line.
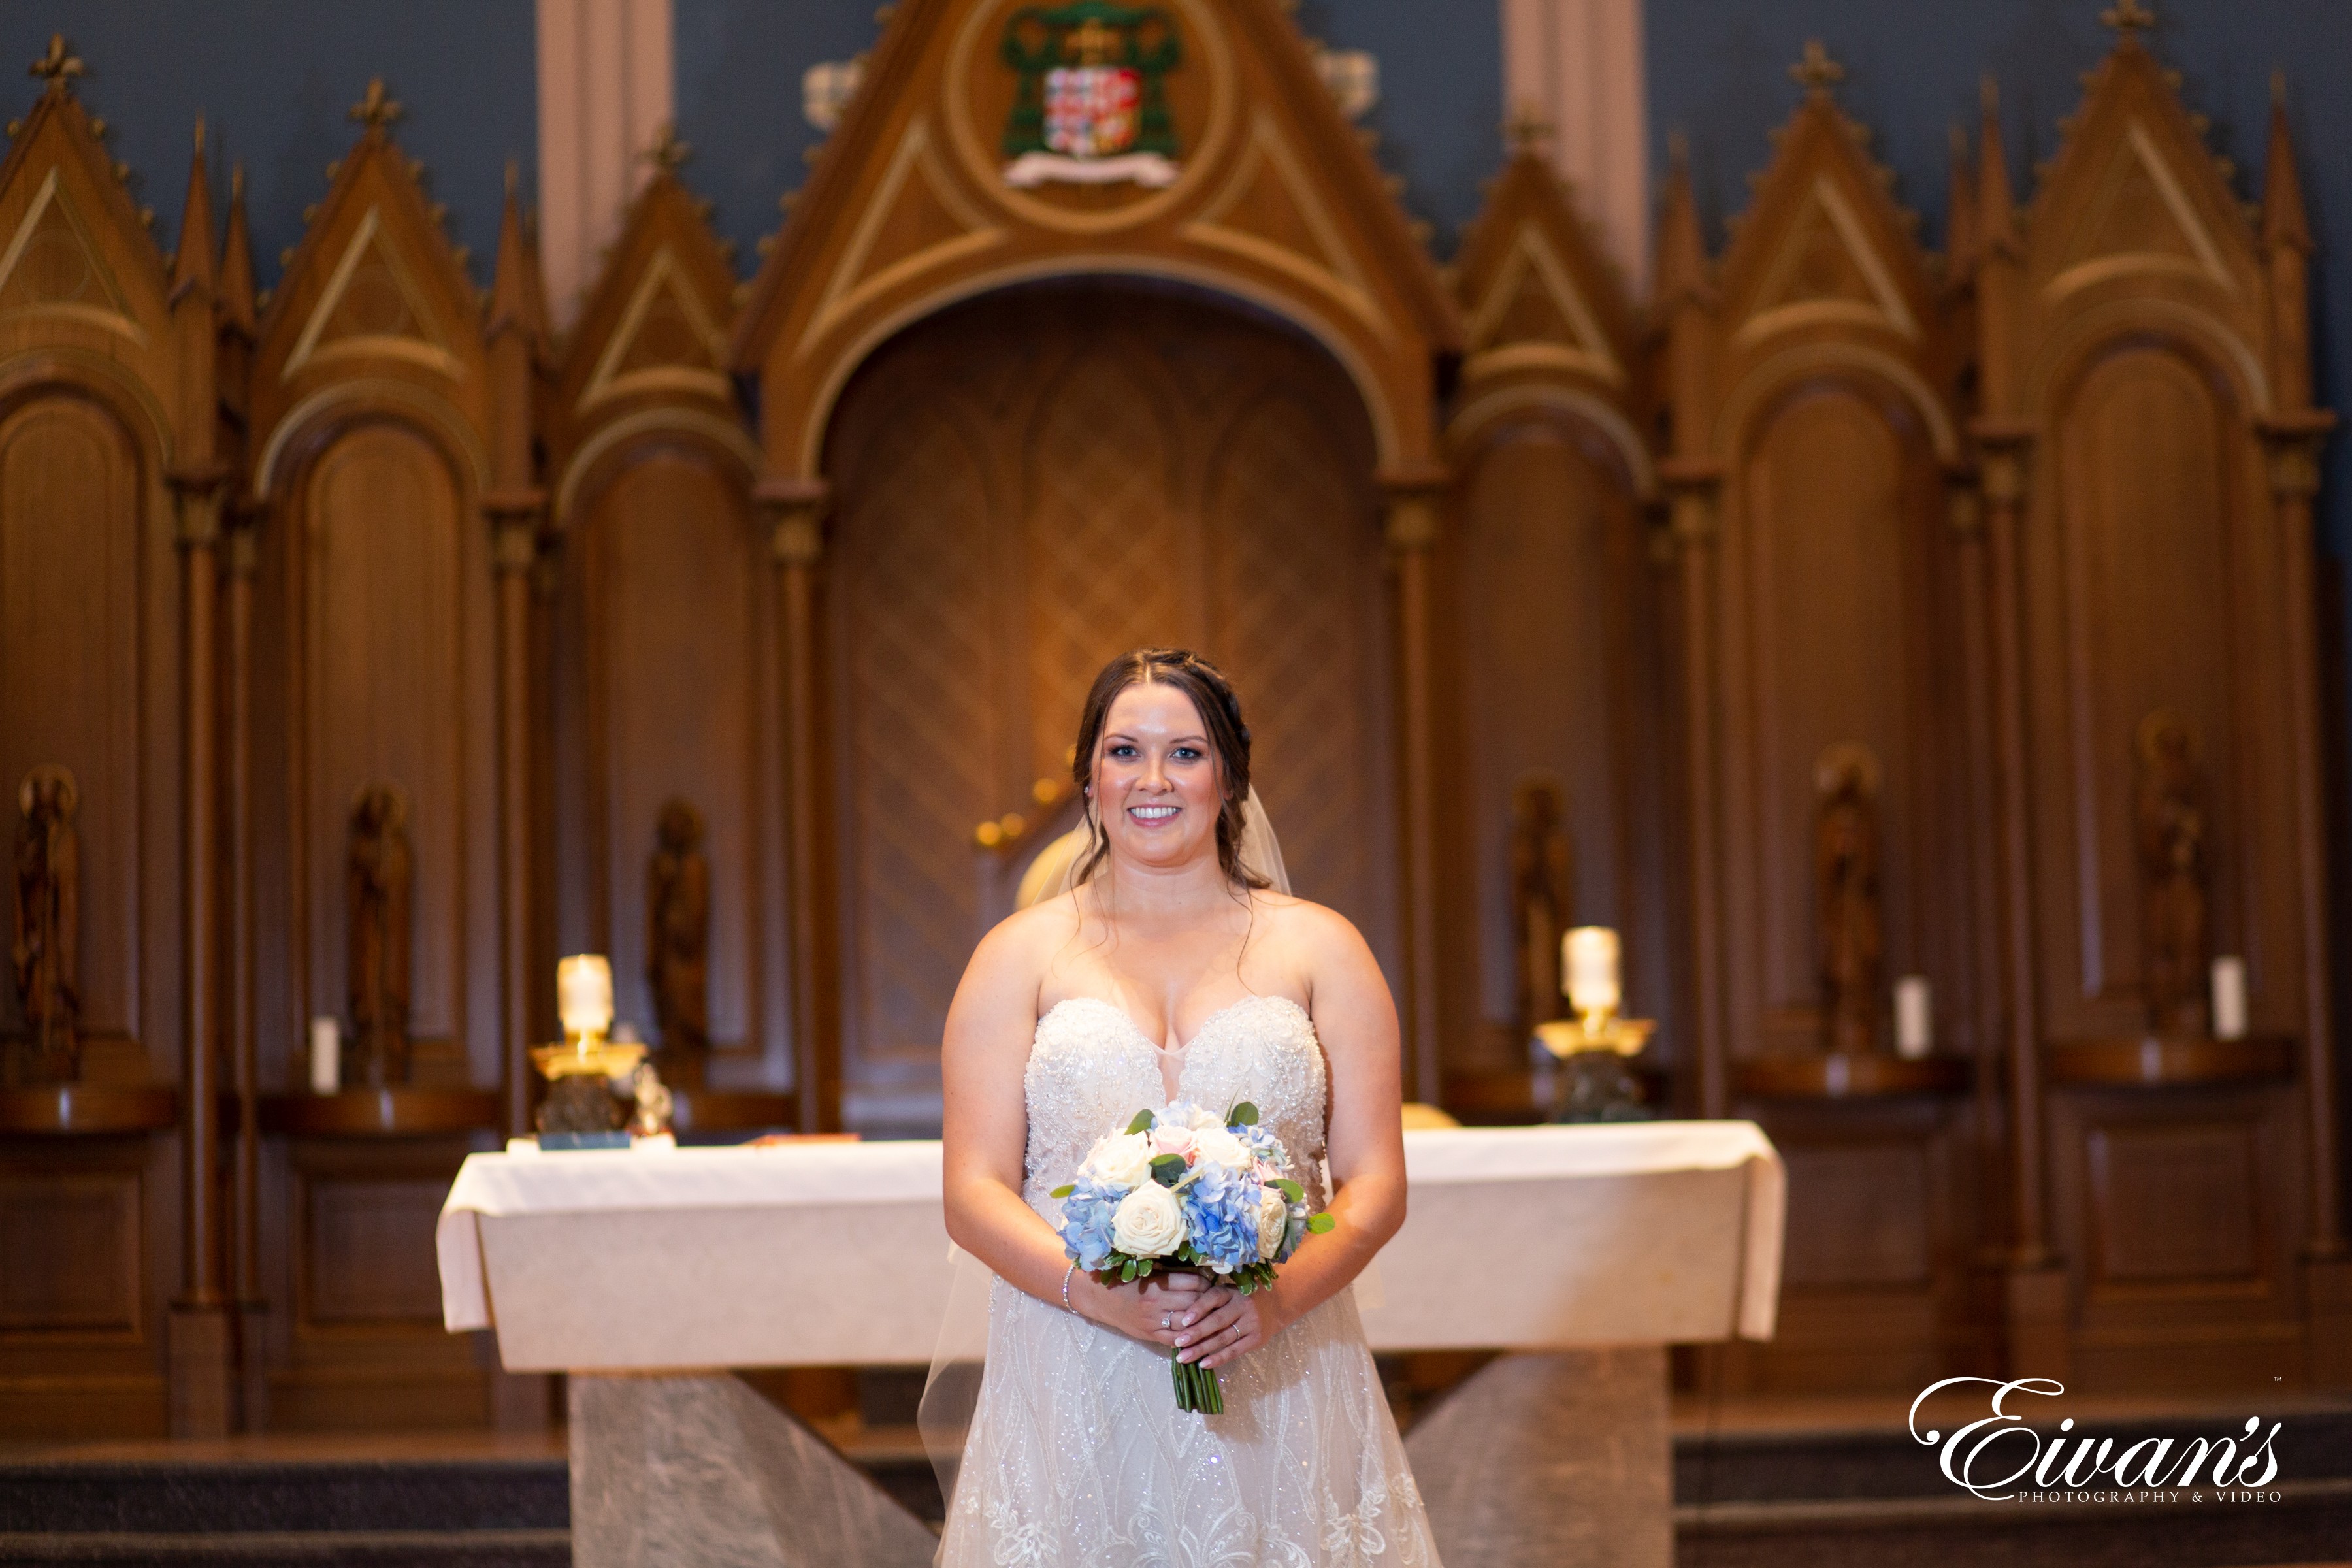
x=1090 y=107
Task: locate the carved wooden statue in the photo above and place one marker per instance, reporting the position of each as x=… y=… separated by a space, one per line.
x=2175 y=927
x=45 y=951
x=381 y=882
x=1541 y=880
x=1846 y=899
x=678 y=942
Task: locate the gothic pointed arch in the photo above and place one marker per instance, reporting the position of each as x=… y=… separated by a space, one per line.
x=973 y=157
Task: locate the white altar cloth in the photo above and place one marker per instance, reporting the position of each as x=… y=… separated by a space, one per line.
x=826 y=1253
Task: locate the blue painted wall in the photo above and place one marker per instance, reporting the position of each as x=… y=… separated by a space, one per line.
x=739 y=97
x=273 y=78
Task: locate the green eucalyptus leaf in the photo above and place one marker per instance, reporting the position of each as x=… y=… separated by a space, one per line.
x=1291 y=1191
x=1142 y=1123
x=1321 y=1222
x=1242 y=1115
x=1064 y=1191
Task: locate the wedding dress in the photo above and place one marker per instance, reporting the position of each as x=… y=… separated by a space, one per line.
x=1076 y=1454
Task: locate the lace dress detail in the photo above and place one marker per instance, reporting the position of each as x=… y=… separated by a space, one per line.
x=1078 y=1457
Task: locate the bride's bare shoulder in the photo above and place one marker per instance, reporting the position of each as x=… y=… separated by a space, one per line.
x=1027 y=939
x=1314 y=928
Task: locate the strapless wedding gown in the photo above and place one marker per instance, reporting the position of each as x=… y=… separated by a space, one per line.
x=1078 y=1457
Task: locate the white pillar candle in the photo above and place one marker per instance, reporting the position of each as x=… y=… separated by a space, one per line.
x=1588 y=957
x=583 y=993
x=326 y=1055
x=1915 y=1017
x=2228 y=998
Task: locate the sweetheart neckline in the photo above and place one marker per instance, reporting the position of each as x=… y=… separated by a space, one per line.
x=1202 y=1029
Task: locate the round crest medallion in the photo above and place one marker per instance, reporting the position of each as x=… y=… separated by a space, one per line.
x=1089 y=115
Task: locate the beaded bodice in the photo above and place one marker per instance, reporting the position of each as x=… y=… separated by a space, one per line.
x=1091 y=1070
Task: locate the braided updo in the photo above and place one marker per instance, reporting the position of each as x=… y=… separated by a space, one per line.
x=1229 y=742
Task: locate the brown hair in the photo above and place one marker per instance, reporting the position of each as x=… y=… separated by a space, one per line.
x=1229 y=743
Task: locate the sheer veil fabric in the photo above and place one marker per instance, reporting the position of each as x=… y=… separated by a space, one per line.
x=1077 y=1454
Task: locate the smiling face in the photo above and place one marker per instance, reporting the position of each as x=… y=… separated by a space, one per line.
x=1156 y=785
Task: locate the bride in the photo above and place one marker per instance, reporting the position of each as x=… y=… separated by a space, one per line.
x=1171 y=968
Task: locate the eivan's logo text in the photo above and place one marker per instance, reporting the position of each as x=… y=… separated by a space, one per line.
x=1998 y=1457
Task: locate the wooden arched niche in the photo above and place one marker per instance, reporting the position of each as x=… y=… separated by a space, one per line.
x=85 y=598
x=664 y=630
x=1026 y=486
x=1553 y=625
x=1837 y=646
x=1838 y=636
x=2154 y=564
x=374 y=646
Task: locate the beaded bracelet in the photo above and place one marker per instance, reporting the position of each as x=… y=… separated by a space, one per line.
x=1073 y=1268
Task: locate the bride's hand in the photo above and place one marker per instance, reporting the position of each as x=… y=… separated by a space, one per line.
x=1235 y=1326
x=1153 y=1309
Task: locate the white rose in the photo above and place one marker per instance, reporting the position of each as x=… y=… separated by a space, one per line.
x=1223 y=1148
x=1148 y=1222
x=1203 y=1118
x=1120 y=1161
x=1273 y=1219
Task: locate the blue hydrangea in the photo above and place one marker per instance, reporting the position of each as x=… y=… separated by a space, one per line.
x=1086 y=1224
x=1221 y=1218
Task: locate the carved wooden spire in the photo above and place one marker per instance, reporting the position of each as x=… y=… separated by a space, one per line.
x=192 y=268
x=1527 y=131
x=509 y=292
x=1960 y=212
x=1682 y=256
x=2284 y=221
x=1996 y=207
x=668 y=154
x=234 y=292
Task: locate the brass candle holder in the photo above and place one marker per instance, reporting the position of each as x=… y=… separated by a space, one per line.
x=580 y=1110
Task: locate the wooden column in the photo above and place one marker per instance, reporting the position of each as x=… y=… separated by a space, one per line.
x=1965 y=510
x=1412 y=529
x=201 y=1338
x=514 y=533
x=797 y=511
x=245 y=1220
x=1694 y=487
x=2293 y=443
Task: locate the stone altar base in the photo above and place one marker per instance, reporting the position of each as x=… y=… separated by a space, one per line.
x=701 y=1470
x=1562 y=1456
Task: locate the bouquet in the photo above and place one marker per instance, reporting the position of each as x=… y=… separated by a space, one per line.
x=1185 y=1188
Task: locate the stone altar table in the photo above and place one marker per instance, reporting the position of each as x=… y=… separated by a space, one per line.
x=1581 y=1250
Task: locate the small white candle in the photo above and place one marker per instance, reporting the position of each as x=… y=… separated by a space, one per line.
x=1915 y=1017
x=326 y=1055
x=2228 y=998
x=1588 y=955
x=583 y=993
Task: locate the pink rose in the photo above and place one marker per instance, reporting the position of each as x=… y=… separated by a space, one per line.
x=1174 y=1141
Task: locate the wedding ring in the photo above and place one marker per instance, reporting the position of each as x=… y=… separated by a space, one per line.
x=1163 y=1322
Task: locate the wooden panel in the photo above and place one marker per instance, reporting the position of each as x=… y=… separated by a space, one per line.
x=1549 y=590
x=1834 y=603
x=2148 y=602
x=72 y=1245
x=671 y=576
x=1858 y=1214
x=1292 y=612
x=69 y=652
x=1029 y=486
x=384 y=619
x=1105 y=557
x=921 y=664
x=2174 y=1202
x=370 y=1259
